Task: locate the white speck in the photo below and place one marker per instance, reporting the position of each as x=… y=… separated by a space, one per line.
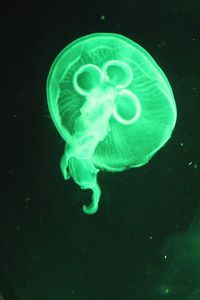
x=190 y=163
x=103 y=17
x=165 y=257
x=161 y=44
x=150 y=237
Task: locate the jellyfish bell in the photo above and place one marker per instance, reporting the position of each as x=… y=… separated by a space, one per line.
x=113 y=106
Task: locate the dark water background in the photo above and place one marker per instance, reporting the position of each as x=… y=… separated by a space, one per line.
x=144 y=242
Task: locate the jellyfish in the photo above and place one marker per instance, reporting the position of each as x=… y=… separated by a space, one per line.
x=112 y=105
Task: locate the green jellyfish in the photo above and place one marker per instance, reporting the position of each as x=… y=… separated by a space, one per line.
x=113 y=106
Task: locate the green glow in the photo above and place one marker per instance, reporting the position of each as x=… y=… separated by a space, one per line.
x=180 y=278
x=165 y=290
x=112 y=105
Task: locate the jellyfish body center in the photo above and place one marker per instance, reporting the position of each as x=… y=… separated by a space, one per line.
x=109 y=84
